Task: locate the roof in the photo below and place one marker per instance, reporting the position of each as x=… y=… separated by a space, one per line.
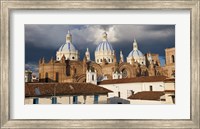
x=134 y=80
x=67 y=47
x=147 y=95
x=135 y=54
x=169 y=80
x=104 y=46
x=48 y=89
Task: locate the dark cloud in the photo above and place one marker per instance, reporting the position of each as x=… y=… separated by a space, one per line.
x=45 y=40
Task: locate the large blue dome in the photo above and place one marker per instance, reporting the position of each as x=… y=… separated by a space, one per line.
x=104 y=46
x=67 y=47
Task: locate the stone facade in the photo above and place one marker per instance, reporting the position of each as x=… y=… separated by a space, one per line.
x=75 y=71
x=105 y=64
x=169 y=68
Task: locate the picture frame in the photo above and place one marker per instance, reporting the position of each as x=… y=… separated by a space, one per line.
x=8 y=6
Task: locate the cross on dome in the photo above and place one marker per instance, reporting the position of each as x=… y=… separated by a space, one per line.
x=104 y=36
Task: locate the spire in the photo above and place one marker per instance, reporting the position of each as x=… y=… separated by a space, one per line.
x=68 y=37
x=121 y=57
x=104 y=36
x=135 y=46
x=87 y=54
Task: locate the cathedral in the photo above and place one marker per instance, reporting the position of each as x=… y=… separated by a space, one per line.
x=67 y=67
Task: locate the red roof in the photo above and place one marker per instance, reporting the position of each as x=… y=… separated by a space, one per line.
x=49 y=89
x=170 y=80
x=133 y=80
x=147 y=95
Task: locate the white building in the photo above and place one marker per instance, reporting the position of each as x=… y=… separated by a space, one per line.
x=126 y=87
x=65 y=93
x=91 y=76
x=136 y=54
x=104 y=51
x=68 y=50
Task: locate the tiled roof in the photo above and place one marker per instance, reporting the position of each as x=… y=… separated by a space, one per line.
x=147 y=95
x=169 y=80
x=136 y=79
x=49 y=89
x=169 y=90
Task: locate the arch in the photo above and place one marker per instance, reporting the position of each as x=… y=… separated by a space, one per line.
x=97 y=67
x=129 y=69
x=173 y=59
x=81 y=78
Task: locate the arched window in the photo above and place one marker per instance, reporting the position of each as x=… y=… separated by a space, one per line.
x=98 y=60
x=57 y=76
x=124 y=73
x=173 y=59
x=101 y=60
x=46 y=77
x=108 y=60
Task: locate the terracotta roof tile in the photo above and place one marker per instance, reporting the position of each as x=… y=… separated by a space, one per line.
x=132 y=80
x=169 y=80
x=147 y=95
x=48 y=89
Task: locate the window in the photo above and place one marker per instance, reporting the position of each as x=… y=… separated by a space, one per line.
x=36 y=101
x=57 y=76
x=119 y=95
x=108 y=60
x=96 y=99
x=92 y=77
x=54 y=100
x=46 y=77
x=73 y=58
x=75 y=99
x=101 y=60
x=173 y=59
x=124 y=73
x=150 y=88
x=97 y=60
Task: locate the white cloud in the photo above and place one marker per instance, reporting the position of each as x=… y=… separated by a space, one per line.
x=54 y=35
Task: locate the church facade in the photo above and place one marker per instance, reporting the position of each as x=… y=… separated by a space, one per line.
x=67 y=67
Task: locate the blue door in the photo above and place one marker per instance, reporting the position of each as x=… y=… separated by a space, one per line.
x=96 y=99
x=54 y=100
x=75 y=99
x=36 y=101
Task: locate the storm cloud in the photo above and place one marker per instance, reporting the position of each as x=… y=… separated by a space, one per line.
x=45 y=40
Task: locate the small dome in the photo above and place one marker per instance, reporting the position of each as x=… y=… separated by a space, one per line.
x=135 y=53
x=67 y=47
x=104 y=45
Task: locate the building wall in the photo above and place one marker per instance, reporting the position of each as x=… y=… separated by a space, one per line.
x=146 y=102
x=169 y=52
x=170 y=87
x=69 y=99
x=125 y=88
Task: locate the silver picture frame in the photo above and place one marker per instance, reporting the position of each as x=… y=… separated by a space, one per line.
x=7 y=6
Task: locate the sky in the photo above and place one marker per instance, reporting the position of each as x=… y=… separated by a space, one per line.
x=44 y=40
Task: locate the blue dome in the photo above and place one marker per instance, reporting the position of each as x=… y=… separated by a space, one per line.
x=135 y=53
x=104 y=46
x=67 y=47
